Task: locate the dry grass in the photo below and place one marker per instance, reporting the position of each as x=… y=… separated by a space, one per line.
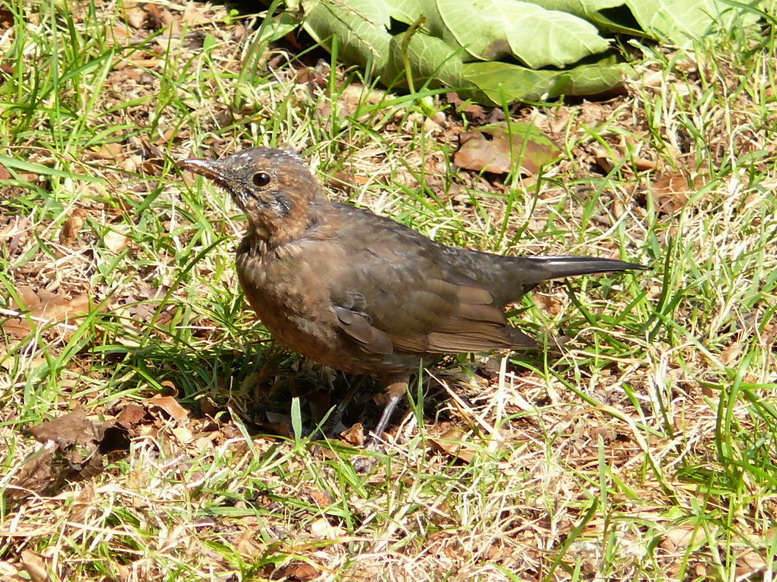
x=644 y=450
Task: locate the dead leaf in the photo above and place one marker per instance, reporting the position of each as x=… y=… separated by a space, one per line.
x=450 y=443
x=79 y=446
x=34 y=477
x=71 y=428
x=677 y=539
x=320 y=498
x=115 y=241
x=749 y=563
x=548 y=303
x=83 y=502
x=131 y=415
x=155 y=19
x=108 y=151
x=323 y=530
x=346 y=182
x=295 y=571
x=354 y=436
x=170 y=406
x=45 y=309
x=35 y=566
x=500 y=148
x=671 y=192
x=196 y=14
x=627 y=149
x=732 y=352
x=246 y=543
x=134 y=15
x=72 y=226
x=355 y=96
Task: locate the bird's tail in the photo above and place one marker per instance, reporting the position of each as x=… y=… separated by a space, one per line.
x=507 y=278
x=539 y=269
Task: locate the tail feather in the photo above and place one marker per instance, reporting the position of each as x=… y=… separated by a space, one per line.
x=557 y=267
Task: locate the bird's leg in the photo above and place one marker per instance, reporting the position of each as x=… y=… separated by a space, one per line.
x=394 y=386
x=334 y=425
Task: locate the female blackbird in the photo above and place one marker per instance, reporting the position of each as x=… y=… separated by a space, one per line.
x=360 y=292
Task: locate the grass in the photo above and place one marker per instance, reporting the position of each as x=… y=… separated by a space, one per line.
x=642 y=450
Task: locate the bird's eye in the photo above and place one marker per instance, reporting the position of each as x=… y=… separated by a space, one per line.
x=261 y=179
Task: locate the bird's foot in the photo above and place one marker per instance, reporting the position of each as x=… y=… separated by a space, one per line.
x=368 y=462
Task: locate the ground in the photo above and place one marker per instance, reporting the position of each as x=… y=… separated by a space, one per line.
x=152 y=430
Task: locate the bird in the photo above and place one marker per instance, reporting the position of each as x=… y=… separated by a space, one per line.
x=361 y=293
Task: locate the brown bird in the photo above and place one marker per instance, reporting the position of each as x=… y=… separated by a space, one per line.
x=360 y=292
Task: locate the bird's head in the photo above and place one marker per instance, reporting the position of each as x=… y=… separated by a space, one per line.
x=276 y=190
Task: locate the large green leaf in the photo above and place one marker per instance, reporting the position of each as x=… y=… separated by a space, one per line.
x=482 y=45
x=504 y=82
x=676 y=21
x=431 y=61
x=361 y=27
x=494 y=29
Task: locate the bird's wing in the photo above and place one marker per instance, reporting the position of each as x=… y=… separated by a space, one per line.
x=400 y=293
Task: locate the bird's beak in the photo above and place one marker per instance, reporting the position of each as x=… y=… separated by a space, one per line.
x=214 y=170
x=208 y=168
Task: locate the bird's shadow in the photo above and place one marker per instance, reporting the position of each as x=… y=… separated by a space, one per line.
x=254 y=386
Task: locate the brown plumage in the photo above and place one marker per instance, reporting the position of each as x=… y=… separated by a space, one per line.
x=360 y=292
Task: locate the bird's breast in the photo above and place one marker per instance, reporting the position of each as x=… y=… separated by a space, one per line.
x=290 y=290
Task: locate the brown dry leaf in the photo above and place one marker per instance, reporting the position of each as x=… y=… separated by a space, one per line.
x=137 y=480
x=732 y=352
x=45 y=309
x=120 y=31
x=295 y=571
x=131 y=415
x=35 y=566
x=749 y=563
x=34 y=477
x=346 y=182
x=354 y=436
x=679 y=538
x=548 y=303
x=602 y=159
x=246 y=543
x=626 y=149
x=183 y=435
x=71 y=428
x=6 y=18
x=156 y=19
x=72 y=226
x=15 y=226
x=170 y=406
x=80 y=445
x=108 y=151
x=134 y=15
x=500 y=148
x=4 y=173
x=314 y=77
x=17 y=230
x=450 y=443
x=83 y=502
x=671 y=192
x=196 y=14
x=355 y=96
x=320 y=498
